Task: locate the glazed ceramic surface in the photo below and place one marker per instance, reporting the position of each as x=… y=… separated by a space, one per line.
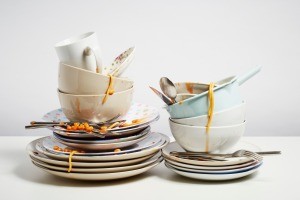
x=212 y=171
x=101 y=169
x=136 y=111
x=72 y=51
x=195 y=138
x=226 y=95
x=101 y=146
x=175 y=147
x=120 y=63
x=99 y=176
x=74 y=80
x=151 y=141
x=230 y=116
x=91 y=108
x=39 y=155
x=135 y=151
x=103 y=140
x=214 y=177
x=213 y=168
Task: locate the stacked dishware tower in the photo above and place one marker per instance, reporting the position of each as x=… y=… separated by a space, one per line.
x=98 y=133
x=207 y=121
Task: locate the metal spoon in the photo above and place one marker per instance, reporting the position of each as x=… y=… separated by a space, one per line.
x=168 y=88
x=161 y=96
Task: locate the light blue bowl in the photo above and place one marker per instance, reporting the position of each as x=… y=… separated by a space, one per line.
x=226 y=95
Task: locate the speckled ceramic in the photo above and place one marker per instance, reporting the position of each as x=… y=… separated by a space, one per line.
x=120 y=63
x=136 y=111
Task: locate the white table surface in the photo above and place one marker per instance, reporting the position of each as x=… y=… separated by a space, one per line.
x=278 y=178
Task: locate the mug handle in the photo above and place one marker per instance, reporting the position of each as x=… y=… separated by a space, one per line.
x=88 y=51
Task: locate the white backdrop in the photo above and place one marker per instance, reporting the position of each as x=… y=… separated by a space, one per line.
x=184 y=40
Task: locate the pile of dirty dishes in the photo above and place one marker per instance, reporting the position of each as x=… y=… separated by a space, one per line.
x=87 y=90
x=212 y=170
x=189 y=119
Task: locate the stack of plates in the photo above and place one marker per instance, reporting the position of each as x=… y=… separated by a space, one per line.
x=121 y=152
x=96 y=165
x=231 y=168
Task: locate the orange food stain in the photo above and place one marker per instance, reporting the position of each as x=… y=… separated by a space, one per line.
x=189 y=87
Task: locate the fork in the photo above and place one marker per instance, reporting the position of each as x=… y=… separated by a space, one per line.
x=249 y=154
x=239 y=153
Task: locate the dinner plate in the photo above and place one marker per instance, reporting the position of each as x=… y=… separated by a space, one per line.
x=136 y=111
x=152 y=140
x=214 y=168
x=99 y=176
x=214 y=177
x=175 y=147
x=164 y=140
x=34 y=153
x=253 y=165
x=101 y=147
x=102 y=169
x=103 y=141
x=109 y=135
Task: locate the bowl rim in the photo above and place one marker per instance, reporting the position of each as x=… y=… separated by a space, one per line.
x=221 y=111
x=203 y=127
x=91 y=95
x=90 y=72
x=230 y=79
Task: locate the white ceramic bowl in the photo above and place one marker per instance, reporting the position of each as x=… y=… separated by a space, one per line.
x=228 y=117
x=74 y=80
x=90 y=107
x=195 y=138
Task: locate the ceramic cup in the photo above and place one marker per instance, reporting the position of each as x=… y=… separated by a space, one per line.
x=81 y=51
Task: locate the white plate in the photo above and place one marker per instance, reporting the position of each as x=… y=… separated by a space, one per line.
x=102 y=169
x=215 y=168
x=213 y=177
x=112 y=157
x=136 y=111
x=103 y=141
x=101 y=147
x=34 y=153
x=229 y=161
x=152 y=141
x=100 y=176
x=253 y=165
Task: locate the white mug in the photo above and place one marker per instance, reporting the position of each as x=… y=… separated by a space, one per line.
x=81 y=51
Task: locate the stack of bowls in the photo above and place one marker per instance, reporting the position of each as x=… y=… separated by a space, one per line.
x=81 y=93
x=189 y=119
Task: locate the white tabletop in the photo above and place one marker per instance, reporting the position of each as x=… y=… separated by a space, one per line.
x=278 y=178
